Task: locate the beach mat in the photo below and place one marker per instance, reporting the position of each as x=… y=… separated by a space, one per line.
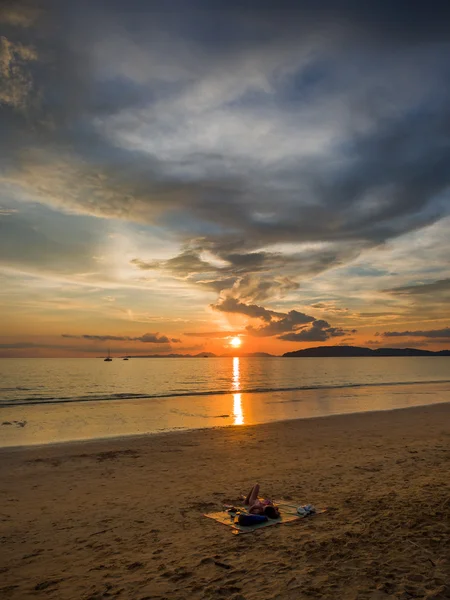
x=288 y=514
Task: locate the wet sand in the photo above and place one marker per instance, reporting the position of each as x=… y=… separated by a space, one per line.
x=123 y=518
x=76 y=421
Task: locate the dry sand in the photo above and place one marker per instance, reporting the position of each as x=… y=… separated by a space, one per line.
x=123 y=519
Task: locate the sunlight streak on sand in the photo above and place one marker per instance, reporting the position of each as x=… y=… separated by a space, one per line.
x=238 y=413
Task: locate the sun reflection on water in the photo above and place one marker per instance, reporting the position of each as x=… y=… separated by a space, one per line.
x=237 y=400
x=236 y=374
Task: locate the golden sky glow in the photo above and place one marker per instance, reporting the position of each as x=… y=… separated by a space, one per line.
x=281 y=186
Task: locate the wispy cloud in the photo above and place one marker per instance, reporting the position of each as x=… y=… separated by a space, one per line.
x=434 y=287
x=214 y=334
x=431 y=333
x=147 y=338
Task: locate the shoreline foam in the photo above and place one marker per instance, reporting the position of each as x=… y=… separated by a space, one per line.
x=36 y=400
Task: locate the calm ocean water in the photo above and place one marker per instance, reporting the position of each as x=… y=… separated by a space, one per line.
x=44 y=400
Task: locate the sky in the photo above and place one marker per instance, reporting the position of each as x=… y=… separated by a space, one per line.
x=175 y=174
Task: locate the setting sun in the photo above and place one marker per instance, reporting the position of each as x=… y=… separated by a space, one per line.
x=235 y=342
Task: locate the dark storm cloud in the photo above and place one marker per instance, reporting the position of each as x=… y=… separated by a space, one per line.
x=431 y=333
x=185 y=264
x=232 y=305
x=216 y=285
x=292 y=324
x=320 y=331
x=152 y=338
x=289 y=322
x=257 y=262
x=189 y=262
x=436 y=287
x=309 y=123
x=241 y=274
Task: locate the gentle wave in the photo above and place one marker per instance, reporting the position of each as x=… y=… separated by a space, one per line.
x=130 y=396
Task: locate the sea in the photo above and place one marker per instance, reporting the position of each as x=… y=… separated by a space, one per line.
x=46 y=401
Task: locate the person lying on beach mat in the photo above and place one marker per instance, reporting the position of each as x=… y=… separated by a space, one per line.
x=260 y=507
x=249 y=520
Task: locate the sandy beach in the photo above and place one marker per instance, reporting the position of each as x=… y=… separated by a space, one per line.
x=123 y=518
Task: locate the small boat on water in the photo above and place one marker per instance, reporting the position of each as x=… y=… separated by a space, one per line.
x=108 y=358
x=125 y=358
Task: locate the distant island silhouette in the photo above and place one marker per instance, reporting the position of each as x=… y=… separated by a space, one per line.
x=317 y=352
x=352 y=351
